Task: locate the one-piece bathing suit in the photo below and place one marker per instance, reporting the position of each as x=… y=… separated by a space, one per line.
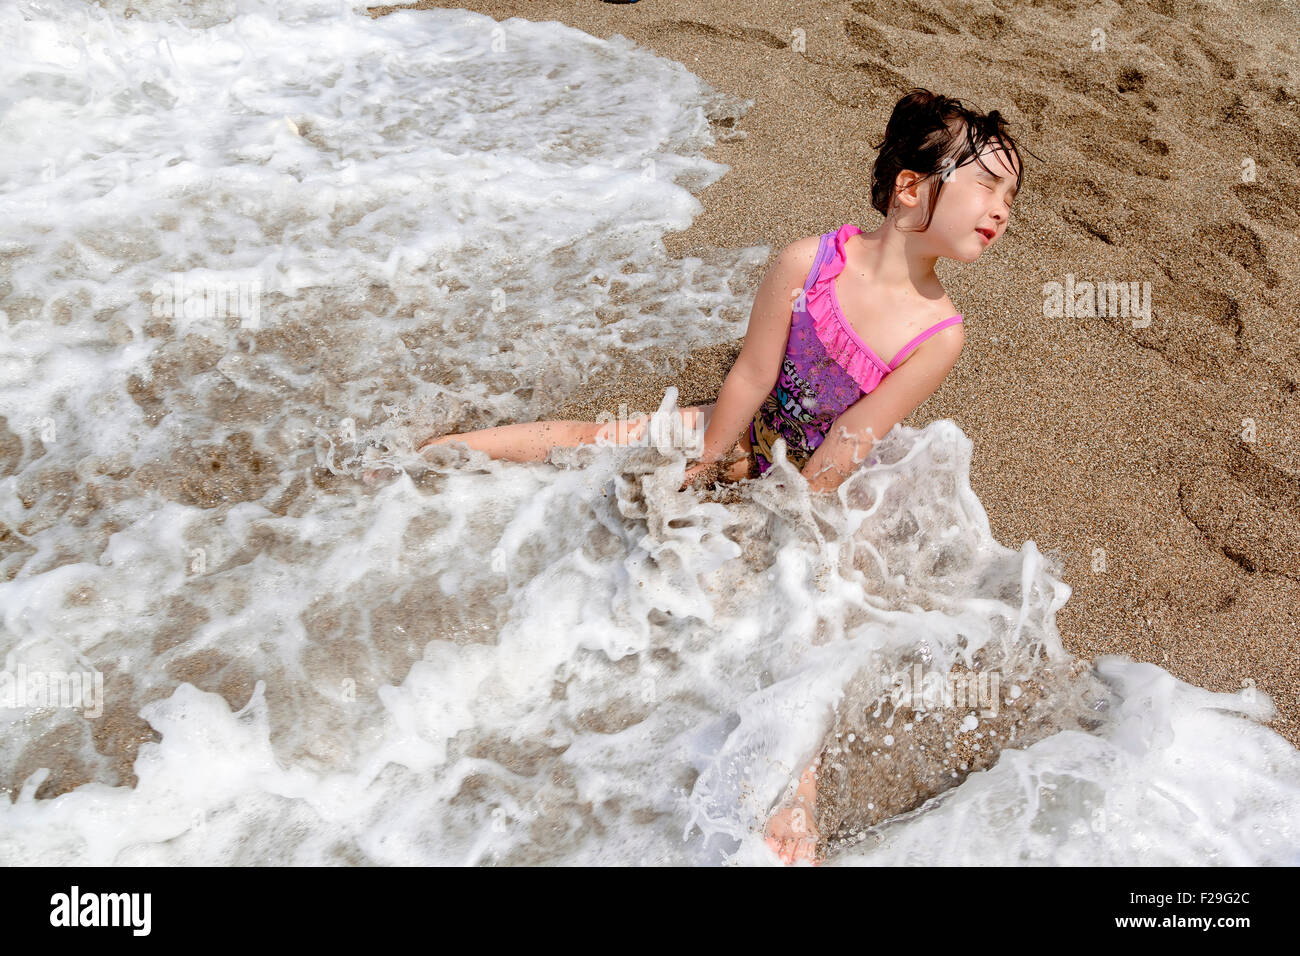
x=826 y=368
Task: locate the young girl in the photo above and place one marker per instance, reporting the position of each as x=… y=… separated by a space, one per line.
x=811 y=370
x=887 y=291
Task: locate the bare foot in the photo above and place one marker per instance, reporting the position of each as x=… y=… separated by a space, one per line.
x=791 y=831
x=373 y=476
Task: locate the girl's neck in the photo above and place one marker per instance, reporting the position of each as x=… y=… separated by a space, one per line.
x=889 y=259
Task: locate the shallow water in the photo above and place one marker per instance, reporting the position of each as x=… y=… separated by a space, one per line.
x=248 y=249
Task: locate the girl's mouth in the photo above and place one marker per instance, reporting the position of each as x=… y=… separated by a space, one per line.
x=987 y=235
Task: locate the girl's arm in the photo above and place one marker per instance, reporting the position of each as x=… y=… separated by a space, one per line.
x=903 y=390
x=759 y=362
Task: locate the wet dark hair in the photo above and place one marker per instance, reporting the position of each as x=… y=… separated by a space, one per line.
x=926 y=129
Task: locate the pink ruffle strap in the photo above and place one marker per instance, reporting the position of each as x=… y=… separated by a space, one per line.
x=838 y=338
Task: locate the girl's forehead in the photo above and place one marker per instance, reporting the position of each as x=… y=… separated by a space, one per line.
x=996 y=157
x=1003 y=155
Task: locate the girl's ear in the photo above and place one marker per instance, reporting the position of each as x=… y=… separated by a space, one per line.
x=908 y=187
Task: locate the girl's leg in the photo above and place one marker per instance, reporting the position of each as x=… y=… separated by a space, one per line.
x=533 y=441
x=527 y=441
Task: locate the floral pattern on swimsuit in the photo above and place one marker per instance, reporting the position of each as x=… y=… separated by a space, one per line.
x=812 y=389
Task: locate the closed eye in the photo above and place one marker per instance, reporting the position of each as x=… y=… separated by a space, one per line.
x=991 y=189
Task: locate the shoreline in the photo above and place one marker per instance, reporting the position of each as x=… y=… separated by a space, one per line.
x=1118 y=449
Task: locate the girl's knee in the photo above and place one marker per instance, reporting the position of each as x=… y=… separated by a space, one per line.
x=590 y=432
x=600 y=432
x=636 y=429
x=618 y=432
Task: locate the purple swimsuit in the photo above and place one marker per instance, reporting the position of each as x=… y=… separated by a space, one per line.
x=826 y=368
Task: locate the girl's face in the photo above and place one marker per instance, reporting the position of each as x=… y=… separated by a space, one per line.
x=975 y=204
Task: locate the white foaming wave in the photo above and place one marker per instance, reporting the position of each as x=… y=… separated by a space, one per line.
x=417 y=149
x=1180 y=776
x=600 y=771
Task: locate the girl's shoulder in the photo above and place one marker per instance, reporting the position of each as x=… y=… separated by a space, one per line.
x=801 y=252
x=945 y=309
x=941 y=308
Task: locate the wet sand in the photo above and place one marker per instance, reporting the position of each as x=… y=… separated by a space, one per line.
x=1158 y=463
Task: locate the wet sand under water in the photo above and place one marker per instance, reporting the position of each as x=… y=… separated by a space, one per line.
x=1118 y=450
x=885 y=757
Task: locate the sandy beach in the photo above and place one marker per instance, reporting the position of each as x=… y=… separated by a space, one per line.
x=1156 y=461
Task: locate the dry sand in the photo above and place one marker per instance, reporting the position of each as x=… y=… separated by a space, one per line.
x=1118 y=449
